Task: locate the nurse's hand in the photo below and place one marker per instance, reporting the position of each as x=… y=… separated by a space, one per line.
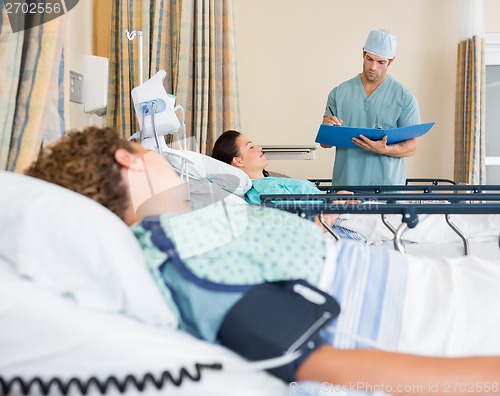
x=376 y=146
x=330 y=120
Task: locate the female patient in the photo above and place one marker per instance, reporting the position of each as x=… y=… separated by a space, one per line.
x=269 y=245
x=238 y=150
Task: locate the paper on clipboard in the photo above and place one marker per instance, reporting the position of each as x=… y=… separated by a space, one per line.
x=340 y=136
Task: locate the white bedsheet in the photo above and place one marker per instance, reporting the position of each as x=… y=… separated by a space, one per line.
x=433 y=233
x=488 y=250
x=426 y=306
x=422 y=305
x=430 y=228
x=451 y=307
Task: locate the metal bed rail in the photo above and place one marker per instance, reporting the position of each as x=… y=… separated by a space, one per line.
x=408 y=205
x=326 y=184
x=433 y=182
x=424 y=188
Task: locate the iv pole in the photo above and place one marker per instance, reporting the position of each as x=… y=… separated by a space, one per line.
x=130 y=36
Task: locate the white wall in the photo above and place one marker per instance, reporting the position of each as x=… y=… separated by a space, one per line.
x=491 y=16
x=291 y=53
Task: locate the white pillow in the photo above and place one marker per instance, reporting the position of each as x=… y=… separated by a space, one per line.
x=70 y=244
x=203 y=167
x=45 y=335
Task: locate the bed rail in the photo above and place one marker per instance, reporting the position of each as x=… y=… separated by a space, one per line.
x=460 y=200
x=433 y=182
x=326 y=184
x=424 y=188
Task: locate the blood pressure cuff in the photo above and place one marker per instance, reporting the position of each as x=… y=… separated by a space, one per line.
x=275 y=318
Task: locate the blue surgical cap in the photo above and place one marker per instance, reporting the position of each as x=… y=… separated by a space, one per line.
x=381 y=43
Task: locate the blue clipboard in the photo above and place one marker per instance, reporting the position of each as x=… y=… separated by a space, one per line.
x=341 y=136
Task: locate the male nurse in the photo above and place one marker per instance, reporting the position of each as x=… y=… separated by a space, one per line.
x=373 y=99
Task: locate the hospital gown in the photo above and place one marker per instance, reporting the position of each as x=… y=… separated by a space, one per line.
x=235 y=245
x=279 y=185
x=418 y=305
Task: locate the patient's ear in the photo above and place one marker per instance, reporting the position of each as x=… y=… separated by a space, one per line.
x=124 y=157
x=237 y=162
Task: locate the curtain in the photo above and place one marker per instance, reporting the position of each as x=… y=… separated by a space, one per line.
x=123 y=65
x=32 y=89
x=193 y=41
x=470 y=164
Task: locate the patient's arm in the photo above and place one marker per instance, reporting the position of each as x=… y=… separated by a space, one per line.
x=398 y=373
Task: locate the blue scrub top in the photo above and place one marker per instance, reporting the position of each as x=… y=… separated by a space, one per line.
x=391 y=105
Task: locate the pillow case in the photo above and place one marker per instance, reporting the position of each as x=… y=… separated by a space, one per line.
x=204 y=193
x=203 y=167
x=69 y=244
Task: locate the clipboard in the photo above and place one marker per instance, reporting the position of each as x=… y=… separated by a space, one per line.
x=340 y=136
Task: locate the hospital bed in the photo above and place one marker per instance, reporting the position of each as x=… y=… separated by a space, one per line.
x=80 y=313
x=402 y=319
x=410 y=203
x=212 y=180
x=78 y=306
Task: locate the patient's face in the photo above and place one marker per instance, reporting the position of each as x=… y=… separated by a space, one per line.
x=154 y=186
x=251 y=156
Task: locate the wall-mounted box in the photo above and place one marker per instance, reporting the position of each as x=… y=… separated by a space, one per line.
x=95 y=90
x=290 y=152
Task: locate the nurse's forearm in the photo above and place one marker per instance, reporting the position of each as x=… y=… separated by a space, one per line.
x=406 y=148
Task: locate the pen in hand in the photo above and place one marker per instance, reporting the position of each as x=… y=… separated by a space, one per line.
x=333 y=115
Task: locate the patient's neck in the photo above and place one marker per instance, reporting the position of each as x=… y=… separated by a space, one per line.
x=254 y=175
x=159 y=203
x=130 y=217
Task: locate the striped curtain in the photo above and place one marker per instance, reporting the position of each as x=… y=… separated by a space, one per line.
x=193 y=41
x=470 y=149
x=32 y=90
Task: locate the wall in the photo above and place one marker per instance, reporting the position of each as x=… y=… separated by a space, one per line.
x=291 y=53
x=492 y=16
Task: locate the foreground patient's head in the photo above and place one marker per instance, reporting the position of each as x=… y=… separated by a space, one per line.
x=120 y=175
x=84 y=162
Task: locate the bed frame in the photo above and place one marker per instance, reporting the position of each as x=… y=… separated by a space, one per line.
x=326 y=184
x=409 y=201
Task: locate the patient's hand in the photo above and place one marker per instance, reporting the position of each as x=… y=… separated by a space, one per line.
x=348 y=201
x=329 y=219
